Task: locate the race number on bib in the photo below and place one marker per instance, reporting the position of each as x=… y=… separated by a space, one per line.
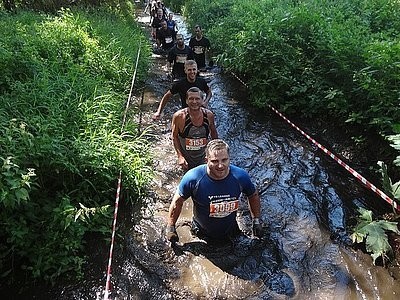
x=195 y=144
x=223 y=209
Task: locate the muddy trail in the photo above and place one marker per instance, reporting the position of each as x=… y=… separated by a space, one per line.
x=307 y=203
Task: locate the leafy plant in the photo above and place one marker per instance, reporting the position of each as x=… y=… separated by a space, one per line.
x=395 y=140
x=374 y=234
x=393 y=189
x=14 y=184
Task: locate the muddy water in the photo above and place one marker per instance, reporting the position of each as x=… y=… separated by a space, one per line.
x=306 y=203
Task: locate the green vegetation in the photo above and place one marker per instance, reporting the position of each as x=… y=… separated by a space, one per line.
x=175 y=5
x=392 y=189
x=373 y=233
x=55 y=5
x=339 y=59
x=64 y=81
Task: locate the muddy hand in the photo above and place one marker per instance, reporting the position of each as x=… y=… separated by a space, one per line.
x=172 y=235
x=257 y=228
x=183 y=163
x=156 y=116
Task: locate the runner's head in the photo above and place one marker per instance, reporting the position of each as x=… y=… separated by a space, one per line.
x=216 y=145
x=198 y=31
x=194 y=98
x=179 y=39
x=191 y=70
x=217 y=158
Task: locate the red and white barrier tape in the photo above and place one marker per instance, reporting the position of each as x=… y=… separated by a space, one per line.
x=108 y=280
x=340 y=162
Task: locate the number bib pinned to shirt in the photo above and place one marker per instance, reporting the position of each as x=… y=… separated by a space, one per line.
x=198 y=50
x=195 y=144
x=180 y=59
x=223 y=208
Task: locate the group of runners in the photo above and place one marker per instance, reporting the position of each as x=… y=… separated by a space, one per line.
x=213 y=183
x=169 y=41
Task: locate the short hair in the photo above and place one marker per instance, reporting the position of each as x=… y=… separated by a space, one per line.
x=195 y=89
x=215 y=145
x=197 y=27
x=190 y=62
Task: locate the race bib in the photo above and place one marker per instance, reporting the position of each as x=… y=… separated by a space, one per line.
x=195 y=144
x=223 y=209
x=181 y=59
x=198 y=49
x=168 y=40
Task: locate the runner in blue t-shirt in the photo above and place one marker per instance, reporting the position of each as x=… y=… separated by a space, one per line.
x=171 y=23
x=215 y=189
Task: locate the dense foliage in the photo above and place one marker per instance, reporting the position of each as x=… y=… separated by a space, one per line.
x=339 y=59
x=175 y=5
x=64 y=81
x=55 y=5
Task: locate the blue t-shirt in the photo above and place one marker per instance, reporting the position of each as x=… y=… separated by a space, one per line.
x=215 y=202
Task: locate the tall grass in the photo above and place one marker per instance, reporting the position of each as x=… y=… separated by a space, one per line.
x=63 y=87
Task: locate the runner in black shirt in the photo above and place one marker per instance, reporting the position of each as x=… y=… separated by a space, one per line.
x=200 y=46
x=165 y=36
x=156 y=23
x=182 y=86
x=177 y=57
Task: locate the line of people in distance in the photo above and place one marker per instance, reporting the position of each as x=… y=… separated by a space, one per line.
x=210 y=180
x=169 y=41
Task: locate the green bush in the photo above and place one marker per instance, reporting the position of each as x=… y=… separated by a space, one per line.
x=64 y=84
x=53 y=6
x=314 y=58
x=176 y=6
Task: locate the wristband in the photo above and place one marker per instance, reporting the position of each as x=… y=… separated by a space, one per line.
x=256 y=221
